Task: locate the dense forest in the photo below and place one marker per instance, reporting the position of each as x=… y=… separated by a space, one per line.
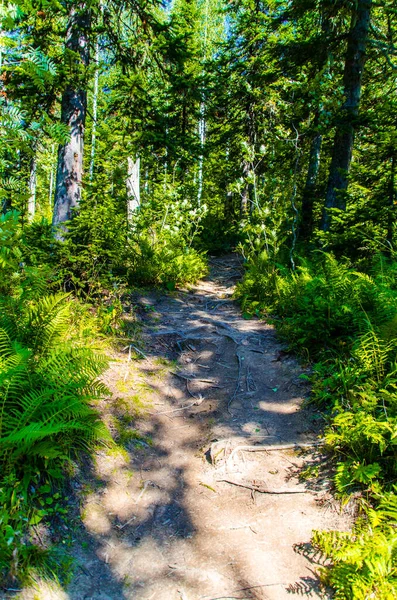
x=137 y=138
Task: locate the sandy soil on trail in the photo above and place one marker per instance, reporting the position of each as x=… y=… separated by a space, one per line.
x=186 y=513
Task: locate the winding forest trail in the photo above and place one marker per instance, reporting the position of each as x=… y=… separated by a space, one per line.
x=163 y=521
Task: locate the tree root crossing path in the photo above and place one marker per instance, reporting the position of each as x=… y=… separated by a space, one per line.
x=222 y=479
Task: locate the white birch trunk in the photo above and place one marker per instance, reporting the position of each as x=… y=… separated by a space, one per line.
x=201 y=128
x=32 y=189
x=52 y=176
x=166 y=161
x=133 y=188
x=202 y=124
x=146 y=181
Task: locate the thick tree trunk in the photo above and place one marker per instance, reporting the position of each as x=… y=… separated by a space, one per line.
x=133 y=187
x=73 y=114
x=32 y=189
x=344 y=135
x=309 y=193
x=94 y=111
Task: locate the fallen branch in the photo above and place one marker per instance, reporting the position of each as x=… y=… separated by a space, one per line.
x=252 y=587
x=295 y=446
x=144 y=488
x=267 y=448
x=261 y=489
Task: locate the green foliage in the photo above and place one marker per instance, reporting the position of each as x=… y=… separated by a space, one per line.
x=20 y=511
x=160 y=257
x=364 y=561
x=160 y=243
x=242 y=117
x=323 y=304
x=101 y=252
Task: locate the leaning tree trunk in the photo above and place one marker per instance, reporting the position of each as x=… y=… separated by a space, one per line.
x=73 y=114
x=344 y=135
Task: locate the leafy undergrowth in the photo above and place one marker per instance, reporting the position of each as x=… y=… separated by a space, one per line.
x=48 y=389
x=102 y=255
x=346 y=322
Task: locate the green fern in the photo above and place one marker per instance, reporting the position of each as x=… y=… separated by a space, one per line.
x=47 y=382
x=364 y=561
x=45 y=398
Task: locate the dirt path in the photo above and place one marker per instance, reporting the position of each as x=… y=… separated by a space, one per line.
x=163 y=520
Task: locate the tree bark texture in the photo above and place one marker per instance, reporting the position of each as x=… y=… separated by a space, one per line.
x=344 y=135
x=391 y=215
x=94 y=110
x=73 y=114
x=309 y=193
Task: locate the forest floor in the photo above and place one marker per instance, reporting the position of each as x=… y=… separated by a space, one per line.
x=195 y=508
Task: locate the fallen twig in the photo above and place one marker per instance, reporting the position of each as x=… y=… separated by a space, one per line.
x=167 y=412
x=138 y=351
x=128 y=361
x=237 y=527
x=125 y=524
x=186 y=378
x=144 y=488
x=246 y=589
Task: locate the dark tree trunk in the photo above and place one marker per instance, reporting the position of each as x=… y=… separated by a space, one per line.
x=391 y=215
x=245 y=192
x=229 y=207
x=309 y=192
x=344 y=135
x=73 y=114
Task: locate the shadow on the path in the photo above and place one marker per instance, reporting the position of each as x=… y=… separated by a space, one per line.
x=151 y=525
